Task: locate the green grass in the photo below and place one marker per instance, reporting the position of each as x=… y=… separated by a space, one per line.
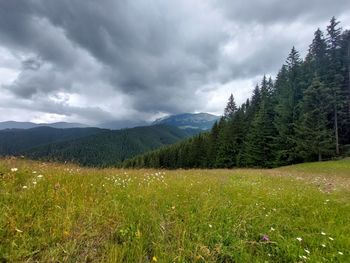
x=74 y=214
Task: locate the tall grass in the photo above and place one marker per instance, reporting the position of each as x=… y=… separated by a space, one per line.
x=64 y=213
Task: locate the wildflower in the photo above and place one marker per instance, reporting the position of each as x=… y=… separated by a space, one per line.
x=14 y=169
x=18 y=230
x=340 y=253
x=323 y=245
x=330 y=238
x=25 y=187
x=40 y=176
x=210 y=226
x=299 y=239
x=154 y=259
x=34 y=182
x=307 y=251
x=34 y=172
x=265 y=238
x=272 y=229
x=323 y=233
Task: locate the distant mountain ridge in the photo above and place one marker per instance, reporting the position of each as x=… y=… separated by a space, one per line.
x=29 y=125
x=202 y=121
x=16 y=141
x=88 y=146
x=110 y=148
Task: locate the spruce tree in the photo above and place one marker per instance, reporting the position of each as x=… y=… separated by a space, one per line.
x=334 y=77
x=315 y=138
x=288 y=96
x=230 y=108
x=346 y=86
x=260 y=139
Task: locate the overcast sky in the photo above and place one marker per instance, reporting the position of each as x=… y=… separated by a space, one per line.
x=91 y=61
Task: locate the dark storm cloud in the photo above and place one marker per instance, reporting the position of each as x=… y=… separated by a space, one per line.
x=277 y=11
x=154 y=54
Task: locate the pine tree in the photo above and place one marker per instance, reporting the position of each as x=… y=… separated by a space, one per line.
x=315 y=138
x=260 y=139
x=345 y=44
x=288 y=96
x=317 y=55
x=230 y=108
x=334 y=76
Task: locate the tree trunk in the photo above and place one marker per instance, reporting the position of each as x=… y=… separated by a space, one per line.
x=319 y=156
x=349 y=76
x=336 y=129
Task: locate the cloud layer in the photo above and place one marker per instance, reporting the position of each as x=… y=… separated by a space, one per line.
x=93 y=61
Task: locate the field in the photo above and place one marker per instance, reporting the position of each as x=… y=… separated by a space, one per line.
x=64 y=213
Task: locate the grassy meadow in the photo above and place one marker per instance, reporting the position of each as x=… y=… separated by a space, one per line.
x=65 y=213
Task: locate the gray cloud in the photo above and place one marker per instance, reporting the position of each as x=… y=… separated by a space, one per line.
x=277 y=11
x=147 y=57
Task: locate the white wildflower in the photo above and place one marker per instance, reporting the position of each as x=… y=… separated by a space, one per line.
x=25 y=187
x=323 y=233
x=307 y=251
x=299 y=239
x=340 y=253
x=14 y=169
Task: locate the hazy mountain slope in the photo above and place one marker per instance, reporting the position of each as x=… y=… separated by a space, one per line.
x=15 y=141
x=122 y=124
x=28 y=125
x=203 y=121
x=110 y=147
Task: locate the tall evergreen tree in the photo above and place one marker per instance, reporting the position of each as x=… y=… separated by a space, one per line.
x=334 y=76
x=315 y=138
x=317 y=55
x=230 y=108
x=260 y=139
x=289 y=94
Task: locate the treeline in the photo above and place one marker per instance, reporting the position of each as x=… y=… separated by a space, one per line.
x=303 y=115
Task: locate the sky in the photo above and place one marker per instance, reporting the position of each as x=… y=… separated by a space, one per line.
x=94 y=61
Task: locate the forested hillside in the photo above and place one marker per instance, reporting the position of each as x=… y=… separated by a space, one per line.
x=302 y=115
x=202 y=121
x=15 y=141
x=109 y=148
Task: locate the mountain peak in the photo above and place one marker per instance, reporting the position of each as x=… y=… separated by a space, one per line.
x=202 y=121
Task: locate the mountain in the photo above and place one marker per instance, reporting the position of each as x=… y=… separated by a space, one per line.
x=28 y=125
x=122 y=124
x=110 y=147
x=15 y=141
x=202 y=121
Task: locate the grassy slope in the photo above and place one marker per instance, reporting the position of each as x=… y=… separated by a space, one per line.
x=75 y=214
